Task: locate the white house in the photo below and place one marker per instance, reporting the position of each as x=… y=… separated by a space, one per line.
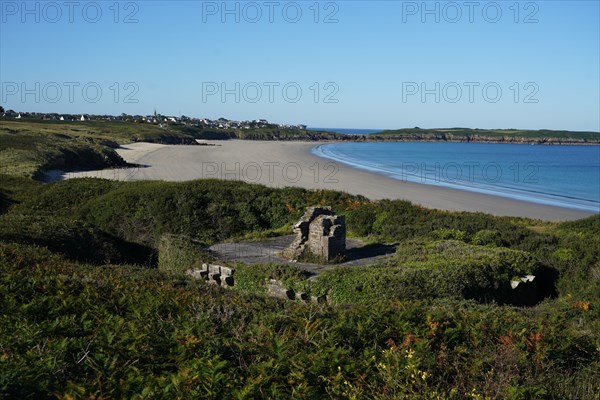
x=18 y=116
x=82 y=118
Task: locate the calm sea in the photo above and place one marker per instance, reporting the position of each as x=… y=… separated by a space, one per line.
x=347 y=131
x=566 y=176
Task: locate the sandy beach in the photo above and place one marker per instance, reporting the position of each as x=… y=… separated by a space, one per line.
x=280 y=164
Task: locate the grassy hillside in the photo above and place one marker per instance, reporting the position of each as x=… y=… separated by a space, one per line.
x=30 y=154
x=211 y=210
x=30 y=148
x=94 y=302
x=104 y=132
x=273 y=133
x=81 y=331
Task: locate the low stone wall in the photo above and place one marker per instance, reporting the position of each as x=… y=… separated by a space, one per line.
x=214 y=274
x=223 y=276
x=276 y=289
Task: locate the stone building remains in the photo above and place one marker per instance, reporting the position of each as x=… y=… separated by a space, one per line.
x=320 y=233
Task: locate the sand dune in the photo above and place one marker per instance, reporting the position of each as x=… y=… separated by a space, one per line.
x=279 y=164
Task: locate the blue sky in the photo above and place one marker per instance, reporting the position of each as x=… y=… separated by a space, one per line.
x=352 y=64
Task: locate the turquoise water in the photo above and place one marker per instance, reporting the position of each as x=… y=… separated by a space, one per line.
x=565 y=176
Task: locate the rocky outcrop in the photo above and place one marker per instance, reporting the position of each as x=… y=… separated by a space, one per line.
x=437 y=137
x=319 y=233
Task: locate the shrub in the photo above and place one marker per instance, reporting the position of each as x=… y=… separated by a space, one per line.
x=178 y=253
x=252 y=278
x=360 y=220
x=78 y=330
x=448 y=234
x=72 y=239
x=486 y=237
x=422 y=270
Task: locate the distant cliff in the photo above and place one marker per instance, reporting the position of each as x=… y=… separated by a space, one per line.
x=410 y=135
x=488 y=136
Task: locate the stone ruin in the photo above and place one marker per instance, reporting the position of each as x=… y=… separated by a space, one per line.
x=320 y=233
x=277 y=289
x=214 y=274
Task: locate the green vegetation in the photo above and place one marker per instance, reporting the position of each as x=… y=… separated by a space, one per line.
x=423 y=270
x=407 y=134
x=107 y=132
x=490 y=135
x=72 y=239
x=252 y=278
x=543 y=136
x=94 y=302
x=274 y=133
x=29 y=155
x=178 y=253
x=78 y=319
x=30 y=148
x=205 y=210
x=123 y=332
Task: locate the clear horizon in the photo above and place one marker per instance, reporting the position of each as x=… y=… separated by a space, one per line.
x=354 y=64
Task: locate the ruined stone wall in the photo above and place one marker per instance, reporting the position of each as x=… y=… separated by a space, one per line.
x=214 y=274
x=327 y=237
x=320 y=233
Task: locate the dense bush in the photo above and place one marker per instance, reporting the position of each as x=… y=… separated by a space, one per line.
x=207 y=210
x=5 y=201
x=424 y=270
x=78 y=331
x=576 y=255
x=72 y=239
x=486 y=237
x=449 y=234
x=15 y=190
x=399 y=220
x=211 y=210
x=253 y=278
x=590 y=226
x=178 y=253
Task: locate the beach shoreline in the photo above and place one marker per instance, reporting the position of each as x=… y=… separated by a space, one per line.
x=280 y=164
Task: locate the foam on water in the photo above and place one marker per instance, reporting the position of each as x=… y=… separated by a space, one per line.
x=565 y=176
